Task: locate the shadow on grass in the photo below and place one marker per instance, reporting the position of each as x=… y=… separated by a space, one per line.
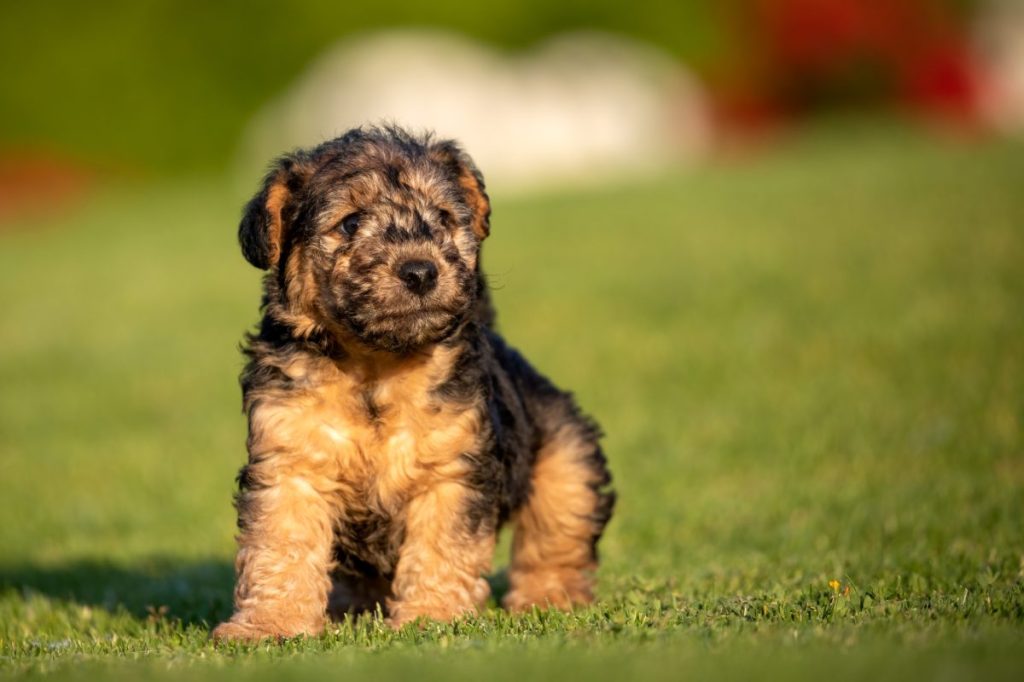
x=194 y=592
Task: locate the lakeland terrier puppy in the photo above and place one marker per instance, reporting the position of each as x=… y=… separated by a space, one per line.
x=391 y=429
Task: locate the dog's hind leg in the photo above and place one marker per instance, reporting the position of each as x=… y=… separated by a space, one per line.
x=554 y=548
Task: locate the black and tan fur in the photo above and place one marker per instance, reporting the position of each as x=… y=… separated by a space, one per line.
x=391 y=430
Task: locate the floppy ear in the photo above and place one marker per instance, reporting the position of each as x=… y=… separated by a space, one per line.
x=261 y=230
x=472 y=184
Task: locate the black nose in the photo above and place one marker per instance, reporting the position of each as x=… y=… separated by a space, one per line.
x=420 y=276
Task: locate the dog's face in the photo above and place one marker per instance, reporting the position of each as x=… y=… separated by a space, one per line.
x=376 y=233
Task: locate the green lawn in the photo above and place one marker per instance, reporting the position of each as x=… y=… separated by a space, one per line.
x=809 y=364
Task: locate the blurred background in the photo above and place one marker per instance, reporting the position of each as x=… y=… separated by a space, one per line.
x=775 y=246
x=537 y=90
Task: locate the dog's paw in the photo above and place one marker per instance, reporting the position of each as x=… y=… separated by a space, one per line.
x=422 y=614
x=230 y=631
x=556 y=590
x=255 y=626
x=401 y=617
x=521 y=602
x=242 y=631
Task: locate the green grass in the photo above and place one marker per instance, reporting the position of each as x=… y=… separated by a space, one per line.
x=810 y=367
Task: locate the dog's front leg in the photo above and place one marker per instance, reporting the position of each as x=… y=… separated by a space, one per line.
x=446 y=553
x=283 y=562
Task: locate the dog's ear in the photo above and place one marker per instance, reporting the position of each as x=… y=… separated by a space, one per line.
x=264 y=218
x=471 y=182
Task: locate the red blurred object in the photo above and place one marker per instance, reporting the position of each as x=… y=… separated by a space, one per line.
x=34 y=182
x=803 y=56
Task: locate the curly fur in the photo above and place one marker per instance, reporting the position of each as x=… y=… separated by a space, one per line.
x=392 y=431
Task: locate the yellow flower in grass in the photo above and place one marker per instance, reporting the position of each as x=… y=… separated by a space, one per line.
x=834 y=584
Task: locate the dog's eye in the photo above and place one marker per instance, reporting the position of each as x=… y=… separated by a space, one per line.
x=349 y=224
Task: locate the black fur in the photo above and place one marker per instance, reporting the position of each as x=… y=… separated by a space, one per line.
x=518 y=407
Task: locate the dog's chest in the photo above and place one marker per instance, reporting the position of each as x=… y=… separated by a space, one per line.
x=387 y=442
x=389 y=439
x=368 y=442
x=366 y=447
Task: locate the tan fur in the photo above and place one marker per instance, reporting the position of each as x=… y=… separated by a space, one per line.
x=282 y=562
x=391 y=430
x=440 y=574
x=480 y=205
x=552 y=555
x=276 y=198
x=476 y=197
x=302 y=295
x=318 y=458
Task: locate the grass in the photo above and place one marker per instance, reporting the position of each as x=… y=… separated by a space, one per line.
x=810 y=367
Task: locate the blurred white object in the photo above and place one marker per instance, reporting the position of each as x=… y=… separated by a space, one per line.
x=580 y=107
x=1000 y=41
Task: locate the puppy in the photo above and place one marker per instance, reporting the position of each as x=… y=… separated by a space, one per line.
x=391 y=429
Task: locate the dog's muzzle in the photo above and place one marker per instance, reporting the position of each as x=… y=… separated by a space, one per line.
x=419 y=276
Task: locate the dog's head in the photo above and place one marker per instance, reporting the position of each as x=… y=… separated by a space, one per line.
x=375 y=234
